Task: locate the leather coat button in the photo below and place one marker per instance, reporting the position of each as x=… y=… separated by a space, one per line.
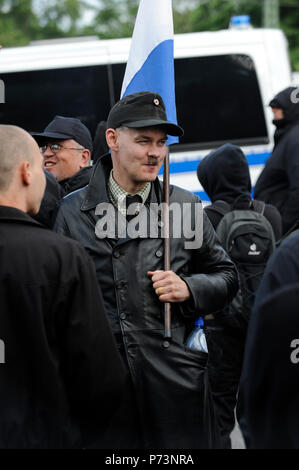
x=159 y=253
x=123 y=316
x=116 y=254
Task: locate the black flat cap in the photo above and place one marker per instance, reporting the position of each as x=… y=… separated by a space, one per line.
x=142 y=109
x=62 y=128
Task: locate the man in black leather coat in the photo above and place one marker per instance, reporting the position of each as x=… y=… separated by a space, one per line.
x=168 y=404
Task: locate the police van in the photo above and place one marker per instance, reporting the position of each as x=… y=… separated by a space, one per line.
x=224 y=81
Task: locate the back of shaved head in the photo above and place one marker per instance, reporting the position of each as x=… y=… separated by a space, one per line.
x=15 y=145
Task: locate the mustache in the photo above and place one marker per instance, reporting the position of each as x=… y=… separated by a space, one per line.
x=152 y=161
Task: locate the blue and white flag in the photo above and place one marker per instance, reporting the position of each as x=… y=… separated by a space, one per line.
x=150 y=66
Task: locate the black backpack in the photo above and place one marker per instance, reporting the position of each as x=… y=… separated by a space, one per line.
x=248 y=238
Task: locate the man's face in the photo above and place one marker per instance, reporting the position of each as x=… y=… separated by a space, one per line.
x=277 y=113
x=64 y=162
x=140 y=154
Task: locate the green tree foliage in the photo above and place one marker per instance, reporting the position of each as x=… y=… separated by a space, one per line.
x=114 y=18
x=22 y=21
x=289 y=22
x=18 y=22
x=60 y=19
x=212 y=15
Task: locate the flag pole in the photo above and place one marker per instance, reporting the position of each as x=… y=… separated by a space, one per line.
x=167 y=305
x=143 y=73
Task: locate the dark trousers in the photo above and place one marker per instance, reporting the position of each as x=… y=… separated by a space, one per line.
x=226 y=350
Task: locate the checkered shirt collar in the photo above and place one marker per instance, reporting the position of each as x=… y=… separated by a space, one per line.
x=118 y=195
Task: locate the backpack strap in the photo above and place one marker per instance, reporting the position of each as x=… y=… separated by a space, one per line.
x=221 y=207
x=258 y=206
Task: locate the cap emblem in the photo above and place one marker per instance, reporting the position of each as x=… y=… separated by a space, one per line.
x=156 y=102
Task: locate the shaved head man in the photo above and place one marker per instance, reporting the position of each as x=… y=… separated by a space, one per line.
x=22 y=179
x=60 y=371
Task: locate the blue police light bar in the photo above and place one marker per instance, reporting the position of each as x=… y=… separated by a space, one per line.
x=241 y=21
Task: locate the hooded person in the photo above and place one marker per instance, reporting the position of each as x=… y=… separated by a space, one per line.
x=224 y=175
x=278 y=184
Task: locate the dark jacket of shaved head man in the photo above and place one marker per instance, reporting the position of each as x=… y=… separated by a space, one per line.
x=57 y=351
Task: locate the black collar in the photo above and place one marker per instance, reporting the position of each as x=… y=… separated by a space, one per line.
x=12 y=214
x=77 y=181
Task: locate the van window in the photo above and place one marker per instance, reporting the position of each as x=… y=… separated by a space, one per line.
x=218 y=99
x=34 y=98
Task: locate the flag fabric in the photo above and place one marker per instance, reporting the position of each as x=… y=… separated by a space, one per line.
x=150 y=66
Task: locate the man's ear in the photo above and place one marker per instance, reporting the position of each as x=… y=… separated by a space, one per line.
x=112 y=139
x=85 y=158
x=25 y=170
